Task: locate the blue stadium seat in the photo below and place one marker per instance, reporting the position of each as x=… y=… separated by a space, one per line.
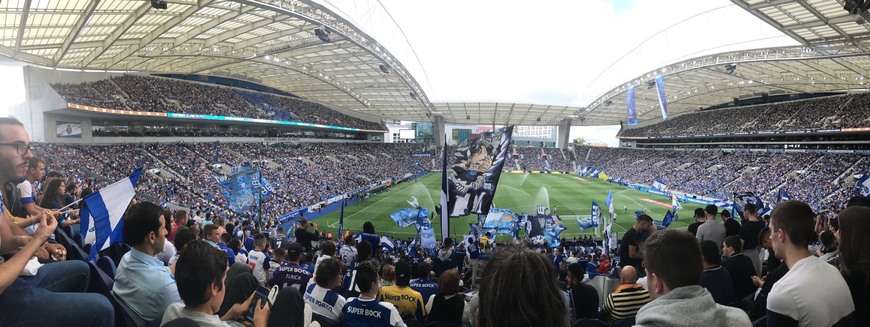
x=100 y=281
x=78 y=239
x=107 y=266
x=67 y=230
x=124 y=315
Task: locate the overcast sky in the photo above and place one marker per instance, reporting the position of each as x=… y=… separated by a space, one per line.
x=559 y=52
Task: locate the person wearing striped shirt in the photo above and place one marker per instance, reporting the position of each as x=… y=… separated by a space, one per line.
x=626 y=299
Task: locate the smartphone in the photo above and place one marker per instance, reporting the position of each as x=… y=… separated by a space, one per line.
x=262 y=295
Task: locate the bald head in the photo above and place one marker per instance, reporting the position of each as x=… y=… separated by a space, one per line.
x=628 y=275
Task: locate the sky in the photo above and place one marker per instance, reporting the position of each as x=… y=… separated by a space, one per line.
x=555 y=52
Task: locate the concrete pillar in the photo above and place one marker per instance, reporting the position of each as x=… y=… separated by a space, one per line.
x=439 y=130
x=562 y=140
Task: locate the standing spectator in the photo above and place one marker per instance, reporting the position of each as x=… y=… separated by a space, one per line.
x=290 y=273
x=854 y=258
x=303 y=236
x=828 y=251
x=327 y=250
x=142 y=281
x=801 y=297
x=712 y=229
x=673 y=263
x=448 y=304
x=604 y=265
x=281 y=241
x=348 y=253
x=213 y=237
x=739 y=268
x=715 y=278
x=320 y=295
x=367 y=310
x=406 y=300
x=625 y=299
x=759 y=306
x=749 y=235
x=179 y=221
x=699 y=219
x=369 y=234
x=630 y=253
x=423 y=284
x=582 y=298
x=259 y=260
x=732 y=227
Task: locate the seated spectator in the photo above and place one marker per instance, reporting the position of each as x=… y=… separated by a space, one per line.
x=213 y=237
x=519 y=288
x=348 y=252
x=367 y=310
x=626 y=298
x=388 y=275
x=423 y=284
x=327 y=251
x=142 y=281
x=408 y=301
x=582 y=298
x=854 y=258
x=200 y=275
x=828 y=251
x=716 y=278
x=290 y=273
x=320 y=295
x=759 y=306
x=673 y=264
x=812 y=292
x=448 y=304
x=740 y=268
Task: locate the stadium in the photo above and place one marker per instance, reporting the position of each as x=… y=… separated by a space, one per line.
x=157 y=150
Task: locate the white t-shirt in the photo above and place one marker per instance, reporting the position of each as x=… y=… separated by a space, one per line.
x=259 y=263
x=813 y=292
x=319 y=260
x=347 y=254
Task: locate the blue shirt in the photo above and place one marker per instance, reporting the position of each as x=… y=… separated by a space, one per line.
x=371 y=313
x=146 y=285
x=231 y=255
x=426 y=287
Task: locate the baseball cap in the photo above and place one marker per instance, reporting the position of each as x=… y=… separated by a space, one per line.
x=403 y=273
x=295 y=249
x=711 y=209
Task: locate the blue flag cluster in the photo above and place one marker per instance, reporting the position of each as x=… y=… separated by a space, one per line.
x=864 y=184
x=741 y=199
x=594 y=219
x=241 y=188
x=503 y=221
x=408 y=217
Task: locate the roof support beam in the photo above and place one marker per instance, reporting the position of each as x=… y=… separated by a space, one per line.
x=76 y=30
x=181 y=39
x=770 y=21
x=22 y=25
x=215 y=39
x=155 y=33
x=107 y=43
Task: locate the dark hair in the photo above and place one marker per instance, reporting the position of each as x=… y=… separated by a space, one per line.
x=199 y=266
x=226 y=237
x=854 y=248
x=140 y=220
x=180 y=215
x=699 y=212
x=862 y=201
x=675 y=257
x=208 y=230
x=710 y=251
x=327 y=271
x=645 y=217
x=50 y=199
x=448 y=284
x=423 y=269
x=519 y=289
x=750 y=208
x=366 y=274
x=796 y=219
x=328 y=248
x=183 y=236
x=349 y=240
x=827 y=239
x=279 y=252
x=34 y=162
x=368 y=228
x=70 y=187
x=576 y=271
x=364 y=250
x=733 y=242
x=235 y=244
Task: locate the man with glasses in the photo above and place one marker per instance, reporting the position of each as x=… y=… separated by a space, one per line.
x=53 y=297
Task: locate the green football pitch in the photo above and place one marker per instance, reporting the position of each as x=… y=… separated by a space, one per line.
x=521 y=193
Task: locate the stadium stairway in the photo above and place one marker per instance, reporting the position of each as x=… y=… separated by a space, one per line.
x=849 y=170
x=165 y=167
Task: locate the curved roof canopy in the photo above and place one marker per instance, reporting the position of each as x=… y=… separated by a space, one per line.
x=297 y=46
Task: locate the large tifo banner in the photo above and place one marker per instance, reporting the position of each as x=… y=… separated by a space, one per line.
x=632 y=110
x=69 y=129
x=242 y=186
x=502 y=220
x=474 y=170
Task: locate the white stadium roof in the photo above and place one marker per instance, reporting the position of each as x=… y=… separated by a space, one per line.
x=274 y=43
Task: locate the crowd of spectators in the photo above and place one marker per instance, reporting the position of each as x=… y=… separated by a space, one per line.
x=834 y=112
x=158 y=94
x=820 y=179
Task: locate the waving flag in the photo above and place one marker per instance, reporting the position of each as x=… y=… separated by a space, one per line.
x=470 y=183
x=609 y=203
x=387 y=243
x=102 y=219
x=741 y=199
x=408 y=217
x=593 y=220
x=241 y=188
x=502 y=220
x=659 y=186
x=782 y=196
x=864 y=185
x=666 y=221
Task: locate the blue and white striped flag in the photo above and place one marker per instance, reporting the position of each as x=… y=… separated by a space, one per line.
x=102 y=219
x=609 y=203
x=387 y=243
